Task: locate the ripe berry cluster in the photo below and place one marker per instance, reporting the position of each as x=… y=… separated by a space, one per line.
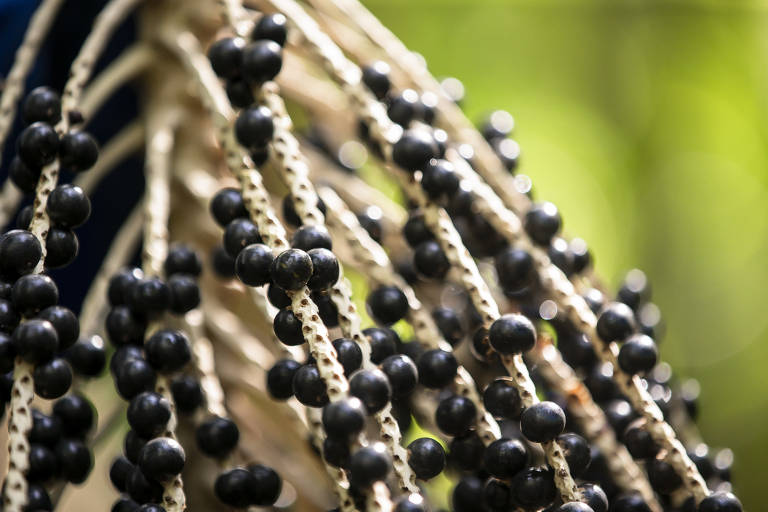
x=39 y=145
x=515 y=271
x=152 y=456
x=58 y=450
x=517 y=447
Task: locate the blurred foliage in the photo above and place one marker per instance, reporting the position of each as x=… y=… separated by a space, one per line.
x=647 y=124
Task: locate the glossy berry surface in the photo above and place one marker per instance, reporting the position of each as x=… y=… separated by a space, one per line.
x=309 y=387
x=542 y=422
x=52 y=379
x=437 y=368
x=344 y=418
x=148 y=414
x=238 y=234
x=372 y=388
x=121 y=284
x=25 y=178
x=268 y=485
x=336 y=452
x=223 y=264
x=253 y=263
x=42 y=104
x=185 y=293
x=254 y=127
x=594 y=496
x=512 y=334
x=43 y=464
x=124 y=326
x=638 y=354
x=616 y=322
x=720 y=502
x=167 y=350
x=663 y=477
x=226 y=55
x=20 y=251
x=502 y=400
x=78 y=151
x=272 y=27
x=496 y=495
x=368 y=465
x=292 y=269
x=413 y=503
x=262 y=60
x=533 y=488
x=62 y=245
x=376 y=78
x=575 y=506
x=388 y=304
x=467 y=494
x=349 y=354
x=402 y=374
x=466 y=452
x=576 y=451
x=383 y=343
x=430 y=260
x=75 y=460
x=630 y=502
x=217 y=436
x=133 y=377
x=542 y=222
x=325 y=269
x=68 y=206
x=404 y=107
x=227 y=205
x=449 y=324
x=291 y=215
x=187 y=394
x=141 y=489
x=235 y=487
x=455 y=415
x=38 y=145
x=65 y=322
x=439 y=179
x=33 y=293
x=119 y=472
x=280 y=378
x=162 y=459
x=504 y=458
x=639 y=442
x=426 y=457
x=150 y=296
x=311 y=237
x=414 y=150
x=36 y=341
x=75 y=413
x=415 y=230
x=182 y=259
x=288 y=328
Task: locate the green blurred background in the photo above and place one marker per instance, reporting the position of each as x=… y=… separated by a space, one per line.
x=647 y=124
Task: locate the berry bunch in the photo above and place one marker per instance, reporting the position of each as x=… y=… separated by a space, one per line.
x=464 y=339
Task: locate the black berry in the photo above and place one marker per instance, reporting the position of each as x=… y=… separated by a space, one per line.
x=262 y=60
x=512 y=334
x=42 y=104
x=542 y=422
x=426 y=457
x=78 y=151
x=292 y=269
x=388 y=304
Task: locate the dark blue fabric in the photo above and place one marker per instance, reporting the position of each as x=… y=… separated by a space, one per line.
x=120 y=191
